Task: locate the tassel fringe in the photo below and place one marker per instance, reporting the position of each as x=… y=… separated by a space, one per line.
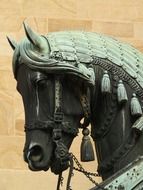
x=135 y=106
x=105 y=83
x=92 y=75
x=82 y=68
x=121 y=93
x=86 y=149
x=138 y=125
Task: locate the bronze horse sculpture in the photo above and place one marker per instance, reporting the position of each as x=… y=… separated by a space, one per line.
x=66 y=76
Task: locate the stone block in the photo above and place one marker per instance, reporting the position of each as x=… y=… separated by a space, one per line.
x=55 y=9
x=119 y=29
x=108 y=10
x=26 y=180
x=138 y=30
x=11 y=151
x=7 y=81
x=6 y=63
x=10 y=8
x=19 y=127
x=67 y=24
x=10 y=23
x=6 y=113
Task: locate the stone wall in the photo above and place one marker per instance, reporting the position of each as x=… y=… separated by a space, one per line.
x=122 y=19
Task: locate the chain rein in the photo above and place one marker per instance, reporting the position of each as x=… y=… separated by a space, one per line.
x=72 y=158
x=79 y=168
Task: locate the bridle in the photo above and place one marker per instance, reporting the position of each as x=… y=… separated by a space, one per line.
x=57 y=125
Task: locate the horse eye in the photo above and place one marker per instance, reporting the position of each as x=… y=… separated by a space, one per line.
x=39 y=79
x=42 y=83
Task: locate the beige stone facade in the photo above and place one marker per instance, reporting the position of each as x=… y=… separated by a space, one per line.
x=122 y=19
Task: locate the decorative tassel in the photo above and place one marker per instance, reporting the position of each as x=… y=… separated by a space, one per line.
x=121 y=92
x=92 y=75
x=135 y=106
x=82 y=68
x=86 y=149
x=138 y=125
x=106 y=84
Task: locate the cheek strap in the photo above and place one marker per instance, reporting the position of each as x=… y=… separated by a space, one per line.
x=61 y=151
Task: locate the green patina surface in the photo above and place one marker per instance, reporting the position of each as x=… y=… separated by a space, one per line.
x=75 y=52
x=83 y=46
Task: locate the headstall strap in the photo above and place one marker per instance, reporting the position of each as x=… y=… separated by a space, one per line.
x=58 y=114
x=61 y=151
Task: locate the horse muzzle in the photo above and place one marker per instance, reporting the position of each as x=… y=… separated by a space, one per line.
x=36 y=158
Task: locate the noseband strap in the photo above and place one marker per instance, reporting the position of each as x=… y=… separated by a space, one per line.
x=50 y=125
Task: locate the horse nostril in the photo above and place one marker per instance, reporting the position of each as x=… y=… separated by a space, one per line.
x=35 y=154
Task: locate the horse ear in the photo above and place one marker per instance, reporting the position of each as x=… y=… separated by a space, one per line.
x=37 y=40
x=32 y=36
x=12 y=43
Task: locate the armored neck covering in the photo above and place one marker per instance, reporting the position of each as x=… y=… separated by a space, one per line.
x=73 y=52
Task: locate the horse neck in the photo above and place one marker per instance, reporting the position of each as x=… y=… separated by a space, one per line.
x=111 y=123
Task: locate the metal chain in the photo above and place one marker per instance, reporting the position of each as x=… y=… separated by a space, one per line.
x=86 y=173
x=79 y=169
x=60 y=181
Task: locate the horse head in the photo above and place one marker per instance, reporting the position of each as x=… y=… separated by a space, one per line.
x=52 y=95
x=56 y=77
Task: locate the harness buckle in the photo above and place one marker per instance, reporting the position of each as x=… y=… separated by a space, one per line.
x=58 y=117
x=57 y=134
